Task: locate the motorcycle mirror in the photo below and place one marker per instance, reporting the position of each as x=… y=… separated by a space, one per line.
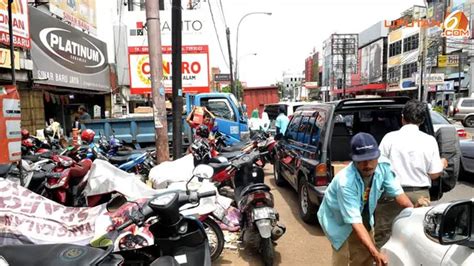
x=203 y=171
x=116 y=202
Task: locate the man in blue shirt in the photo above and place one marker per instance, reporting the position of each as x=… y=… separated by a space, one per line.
x=282 y=121
x=346 y=213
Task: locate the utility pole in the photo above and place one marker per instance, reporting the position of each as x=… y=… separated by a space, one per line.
x=156 y=71
x=232 y=83
x=344 y=53
x=176 y=31
x=12 y=45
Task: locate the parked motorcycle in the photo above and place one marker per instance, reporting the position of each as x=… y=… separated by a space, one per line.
x=104 y=180
x=259 y=223
x=177 y=239
x=67 y=181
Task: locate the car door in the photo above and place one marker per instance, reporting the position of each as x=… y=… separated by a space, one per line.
x=289 y=153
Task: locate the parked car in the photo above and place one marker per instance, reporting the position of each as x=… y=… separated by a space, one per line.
x=317 y=143
x=467 y=159
x=440 y=235
x=440 y=120
x=464 y=111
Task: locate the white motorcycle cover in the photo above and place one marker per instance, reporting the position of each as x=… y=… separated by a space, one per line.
x=104 y=177
x=168 y=172
x=28 y=218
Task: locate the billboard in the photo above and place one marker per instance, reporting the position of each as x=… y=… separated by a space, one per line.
x=80 y=13
x=21 y=23
x=371 y=62
x=195 y=28
x=195 y=69
x=65 y=56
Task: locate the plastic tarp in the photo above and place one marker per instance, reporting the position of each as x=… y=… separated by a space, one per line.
x=180 y=170
x=104 y=177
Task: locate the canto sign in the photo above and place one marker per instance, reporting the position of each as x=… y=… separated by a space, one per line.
x=194 y=67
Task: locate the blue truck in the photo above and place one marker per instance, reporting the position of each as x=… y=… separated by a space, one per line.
x=140 y=131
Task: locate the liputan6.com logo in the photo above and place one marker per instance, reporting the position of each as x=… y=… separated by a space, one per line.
x=456 y=24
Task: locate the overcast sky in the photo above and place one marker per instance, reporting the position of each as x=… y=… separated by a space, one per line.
x=283 y=40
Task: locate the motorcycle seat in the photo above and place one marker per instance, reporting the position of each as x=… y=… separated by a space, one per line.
x=231 y=155
x=219 y=166
x=32 y=158
x=119 y=159
x=235 y=147
x=130 y=152
x=4 y=169
x=56 y=254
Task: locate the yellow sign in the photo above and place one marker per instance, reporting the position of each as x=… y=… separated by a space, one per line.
x=81 y=13
x=448 y=60
x=5 y=59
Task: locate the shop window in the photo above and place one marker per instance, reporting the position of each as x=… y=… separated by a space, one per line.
x=395 y=48
x=409 y=69
x=410 y=43
x=394 y=74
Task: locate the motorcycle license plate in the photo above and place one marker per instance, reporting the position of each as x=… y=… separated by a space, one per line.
x=263 y=213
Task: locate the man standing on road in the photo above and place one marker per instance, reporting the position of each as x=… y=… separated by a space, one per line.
x=282 y=121
x=415 y=160
x=346 y=213
x=83 y=114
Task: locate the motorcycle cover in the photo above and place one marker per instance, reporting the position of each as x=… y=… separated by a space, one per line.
x=104 y=177
x=28 y=218
x=172 y=171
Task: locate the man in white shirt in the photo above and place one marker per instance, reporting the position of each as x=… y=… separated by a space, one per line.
x=415 y=160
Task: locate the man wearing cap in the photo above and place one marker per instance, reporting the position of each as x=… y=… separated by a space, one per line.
x=346 y=213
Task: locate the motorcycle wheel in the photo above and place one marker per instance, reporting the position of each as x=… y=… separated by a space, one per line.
x=268 y=251
x=215 y=237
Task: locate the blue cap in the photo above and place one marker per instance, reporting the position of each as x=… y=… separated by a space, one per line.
x=364 y=147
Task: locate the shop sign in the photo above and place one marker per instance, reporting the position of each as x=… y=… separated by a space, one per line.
x=5 y=59
x=10 y=125
x=81 y=14
x=65 y=56
x=20 y=22
x=448 y=60
x=431 y=79
x=195 y=69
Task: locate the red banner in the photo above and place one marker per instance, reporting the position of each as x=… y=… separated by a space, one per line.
x=10 y=125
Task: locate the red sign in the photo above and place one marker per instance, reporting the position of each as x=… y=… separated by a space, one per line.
x=194 y=67
x=10 y=125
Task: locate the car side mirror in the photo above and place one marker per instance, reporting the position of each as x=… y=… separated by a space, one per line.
x=449 y=224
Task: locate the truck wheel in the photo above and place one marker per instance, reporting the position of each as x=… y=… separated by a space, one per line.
x=469 y=121
x=307 y=209
x=215 y=237
x=279 y=180
x=268 y=251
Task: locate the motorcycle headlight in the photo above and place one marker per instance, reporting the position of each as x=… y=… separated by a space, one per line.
x=65 y=163
x=163 y=200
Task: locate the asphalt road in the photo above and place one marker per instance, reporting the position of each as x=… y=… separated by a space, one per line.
x=305 y=244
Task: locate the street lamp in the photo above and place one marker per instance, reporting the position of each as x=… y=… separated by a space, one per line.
x=237 y=40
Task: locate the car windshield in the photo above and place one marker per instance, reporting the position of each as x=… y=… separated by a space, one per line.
x=439 y=119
